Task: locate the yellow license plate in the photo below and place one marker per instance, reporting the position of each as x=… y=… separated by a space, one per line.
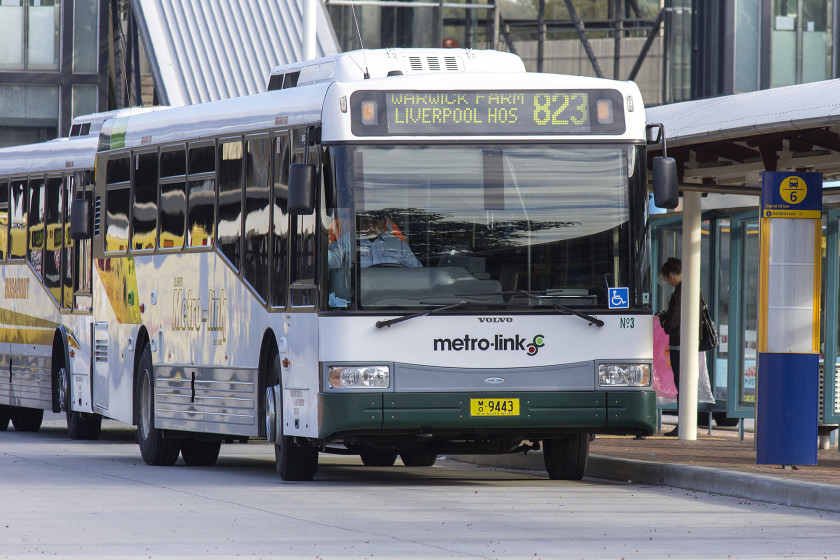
x=494 y=407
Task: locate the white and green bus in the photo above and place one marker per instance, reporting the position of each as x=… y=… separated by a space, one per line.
x=390 y=253
x=46 y=299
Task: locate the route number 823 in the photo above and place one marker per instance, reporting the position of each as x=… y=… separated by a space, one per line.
x=561 y=108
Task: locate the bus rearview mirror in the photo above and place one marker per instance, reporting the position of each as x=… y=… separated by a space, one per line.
x=80 y=219
x=665 y=186
x=301 y=189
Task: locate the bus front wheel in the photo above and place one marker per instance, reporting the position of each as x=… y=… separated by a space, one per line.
x=565 y=458
x=80 y=425
x=294 y=460
x=155 y=449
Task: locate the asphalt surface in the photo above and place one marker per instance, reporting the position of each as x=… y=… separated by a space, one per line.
x=719 y=463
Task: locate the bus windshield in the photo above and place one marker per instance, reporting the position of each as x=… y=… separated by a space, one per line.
x=500 y=226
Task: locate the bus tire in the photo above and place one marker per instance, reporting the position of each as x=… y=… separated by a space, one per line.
x=80 y=425
x=378 y=458
x=294 y=460
x=418 y=459
x=200 y=453
x=565 y=458
x=5 y=417
x=155 y=449
x=27 y=419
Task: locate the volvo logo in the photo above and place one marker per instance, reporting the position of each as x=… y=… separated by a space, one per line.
x=494 y=380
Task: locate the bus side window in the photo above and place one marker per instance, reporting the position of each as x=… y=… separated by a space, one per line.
x=255 y=262
x=54 y=242
x=230 y=201
x=35 y=252
x=4 y=219
x=67 y=251
x=201 y=201
x=144 y=218
x=81 y=187
x=173 y=199
x=303 y=233
x=280 y=238
x=117 y=204
x=17 y=232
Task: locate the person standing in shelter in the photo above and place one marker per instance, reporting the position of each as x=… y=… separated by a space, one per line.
x=671 y=272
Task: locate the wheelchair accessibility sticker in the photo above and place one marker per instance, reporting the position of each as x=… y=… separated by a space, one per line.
x=619 y=298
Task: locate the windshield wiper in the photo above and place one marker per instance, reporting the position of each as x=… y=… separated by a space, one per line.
x=389 y=322
x=571 y=311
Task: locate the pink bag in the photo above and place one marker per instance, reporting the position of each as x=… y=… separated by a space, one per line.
x=663 y=375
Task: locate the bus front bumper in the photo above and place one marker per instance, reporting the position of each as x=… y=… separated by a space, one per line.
x=603 y=412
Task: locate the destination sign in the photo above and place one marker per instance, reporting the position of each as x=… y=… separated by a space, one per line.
x=545 y=112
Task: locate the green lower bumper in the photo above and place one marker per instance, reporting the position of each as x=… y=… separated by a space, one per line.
x=630 y=412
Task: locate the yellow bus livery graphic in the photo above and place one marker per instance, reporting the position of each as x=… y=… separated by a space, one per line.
x=120 y=280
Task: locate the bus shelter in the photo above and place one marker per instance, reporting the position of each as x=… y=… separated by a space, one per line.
x=721 y=147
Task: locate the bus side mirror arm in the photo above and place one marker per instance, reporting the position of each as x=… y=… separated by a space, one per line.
x=665 y=183
x=80 y=219
x=301 y=189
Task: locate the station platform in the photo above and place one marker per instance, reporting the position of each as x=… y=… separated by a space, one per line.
x=720 y=463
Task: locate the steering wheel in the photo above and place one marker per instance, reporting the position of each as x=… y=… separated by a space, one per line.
x=388 y=265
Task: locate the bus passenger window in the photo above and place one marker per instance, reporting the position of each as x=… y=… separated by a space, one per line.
x=4 y=219
x=173 y=198
x=230 y=201
x=280 y=238
x=201 y=221
x=202 y=159
x=36 y=225
x=173 y=210
x=54 y=242
x=116 y=226
x=67 y=251
x=144 y=219
x=255 y=264
x=17 y=231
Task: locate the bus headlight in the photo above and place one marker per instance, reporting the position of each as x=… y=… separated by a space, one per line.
x=360 y=377
x=623 y=375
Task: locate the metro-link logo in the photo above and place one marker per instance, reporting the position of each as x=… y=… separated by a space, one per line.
x=499 y=343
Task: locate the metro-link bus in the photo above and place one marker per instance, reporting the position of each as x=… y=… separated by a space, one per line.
x=46 y=298
x=239 y=291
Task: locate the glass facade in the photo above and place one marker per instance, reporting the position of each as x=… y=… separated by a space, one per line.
x=31 y=33
x=50 y=69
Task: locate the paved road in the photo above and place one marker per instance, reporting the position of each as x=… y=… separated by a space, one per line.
x=60 y=498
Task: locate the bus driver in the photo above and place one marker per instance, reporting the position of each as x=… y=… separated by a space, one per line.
x=377 y=246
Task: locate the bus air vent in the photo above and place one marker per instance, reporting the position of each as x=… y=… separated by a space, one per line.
x=451 y=63
x=100 y=351
x=415 y=63
x=434 y=63
x=97 y=216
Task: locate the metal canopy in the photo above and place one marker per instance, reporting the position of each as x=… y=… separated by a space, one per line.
x=206 y=50
x=723 y=144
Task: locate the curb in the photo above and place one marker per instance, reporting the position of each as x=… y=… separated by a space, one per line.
x=756 y=487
